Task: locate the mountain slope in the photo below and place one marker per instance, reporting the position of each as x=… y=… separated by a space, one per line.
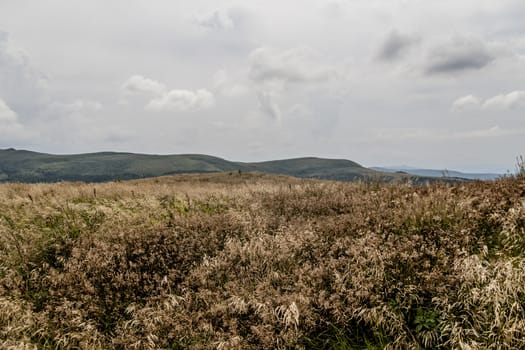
x=320 y=168
x=38 y=167
x=27 y=166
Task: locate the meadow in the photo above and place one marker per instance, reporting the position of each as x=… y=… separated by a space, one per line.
x=255 y=261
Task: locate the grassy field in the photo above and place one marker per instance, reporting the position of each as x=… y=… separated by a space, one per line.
x=252 y=261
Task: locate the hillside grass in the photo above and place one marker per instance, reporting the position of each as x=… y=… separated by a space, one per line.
x=33 y=167
x=253 y=261
x=26 y=166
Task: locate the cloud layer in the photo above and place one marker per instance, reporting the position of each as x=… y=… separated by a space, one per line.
x=262 y=80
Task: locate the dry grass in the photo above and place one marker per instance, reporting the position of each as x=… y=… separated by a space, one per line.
x=253 y=261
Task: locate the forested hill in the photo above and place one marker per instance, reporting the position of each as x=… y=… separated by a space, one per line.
x=28 y=166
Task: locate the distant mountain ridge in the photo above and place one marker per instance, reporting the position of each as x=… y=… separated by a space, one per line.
x=28 y=166
x=439 y=173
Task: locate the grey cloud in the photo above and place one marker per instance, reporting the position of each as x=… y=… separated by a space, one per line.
x=395 y=45
x=296 y=65
x=219 y=19
x=11 y=130
x=459 y=55
x=273 y=70
x=21 y=86
x=268 y=106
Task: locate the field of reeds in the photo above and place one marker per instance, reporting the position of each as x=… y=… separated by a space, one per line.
x=252 y=261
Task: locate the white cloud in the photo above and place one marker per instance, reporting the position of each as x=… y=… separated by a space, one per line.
x=468 y=102
x=296 y=65
x=10 y=128
x=219 y=19
x=7 y=116
x=511 y=100
x=162 y=99
x=182 y=100
x=137 y=84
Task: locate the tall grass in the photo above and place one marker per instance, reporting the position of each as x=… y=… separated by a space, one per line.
x=246 y=261
x=520 y=166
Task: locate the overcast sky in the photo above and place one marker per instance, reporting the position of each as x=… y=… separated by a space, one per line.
x=427 y=83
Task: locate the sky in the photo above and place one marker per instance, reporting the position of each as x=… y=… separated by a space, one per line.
x=434 y=84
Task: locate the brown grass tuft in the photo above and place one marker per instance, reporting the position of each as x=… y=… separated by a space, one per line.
x=261 y=262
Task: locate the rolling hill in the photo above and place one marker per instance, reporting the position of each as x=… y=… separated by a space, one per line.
x=28 y=166
x=440 y=173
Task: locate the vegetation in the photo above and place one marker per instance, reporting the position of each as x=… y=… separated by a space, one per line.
x=26 y=166
x=253 y=261
x=520 y=166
